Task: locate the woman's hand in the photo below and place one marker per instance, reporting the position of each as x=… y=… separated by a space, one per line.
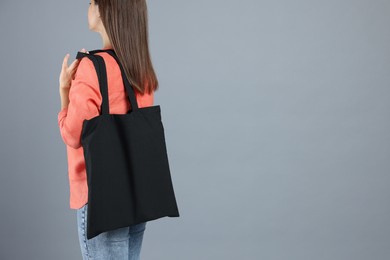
x=68 y=73
x=66 y=76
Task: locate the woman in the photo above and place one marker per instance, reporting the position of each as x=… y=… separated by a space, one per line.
x=123 y=27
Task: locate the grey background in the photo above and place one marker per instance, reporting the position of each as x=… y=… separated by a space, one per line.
x=277 y=125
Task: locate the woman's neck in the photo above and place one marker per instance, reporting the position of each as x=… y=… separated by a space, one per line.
x=106 y=41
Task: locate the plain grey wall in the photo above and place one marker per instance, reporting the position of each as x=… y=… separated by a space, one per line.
x=277 y=125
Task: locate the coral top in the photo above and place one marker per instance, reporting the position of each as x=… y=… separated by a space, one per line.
x=84 y=103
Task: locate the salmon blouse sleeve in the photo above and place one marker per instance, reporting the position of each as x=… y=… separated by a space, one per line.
x=84 y=103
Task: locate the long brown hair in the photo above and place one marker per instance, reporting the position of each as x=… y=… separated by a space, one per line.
x=126 y=24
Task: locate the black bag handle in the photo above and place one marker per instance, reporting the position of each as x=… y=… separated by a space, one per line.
x=101 y=71
x=102 y=78
x=126 y=83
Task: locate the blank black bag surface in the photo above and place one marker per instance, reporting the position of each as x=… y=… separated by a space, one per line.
x=126 y=161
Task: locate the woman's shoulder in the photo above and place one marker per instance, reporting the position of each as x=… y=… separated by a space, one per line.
x=86 y=71
x=86 y=64
x=108 y=59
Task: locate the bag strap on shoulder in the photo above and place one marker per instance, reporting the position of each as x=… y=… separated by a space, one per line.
x=101 y=71
x=100 y=68
x=129 y=89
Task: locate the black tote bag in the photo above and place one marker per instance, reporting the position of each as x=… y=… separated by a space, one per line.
x=128 y=175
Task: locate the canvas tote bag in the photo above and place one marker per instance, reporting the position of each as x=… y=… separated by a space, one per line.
x=128 y=175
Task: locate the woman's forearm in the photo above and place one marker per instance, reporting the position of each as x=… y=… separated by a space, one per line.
x=64 y=93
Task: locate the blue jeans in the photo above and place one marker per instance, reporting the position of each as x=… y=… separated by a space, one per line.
x=118 y=244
